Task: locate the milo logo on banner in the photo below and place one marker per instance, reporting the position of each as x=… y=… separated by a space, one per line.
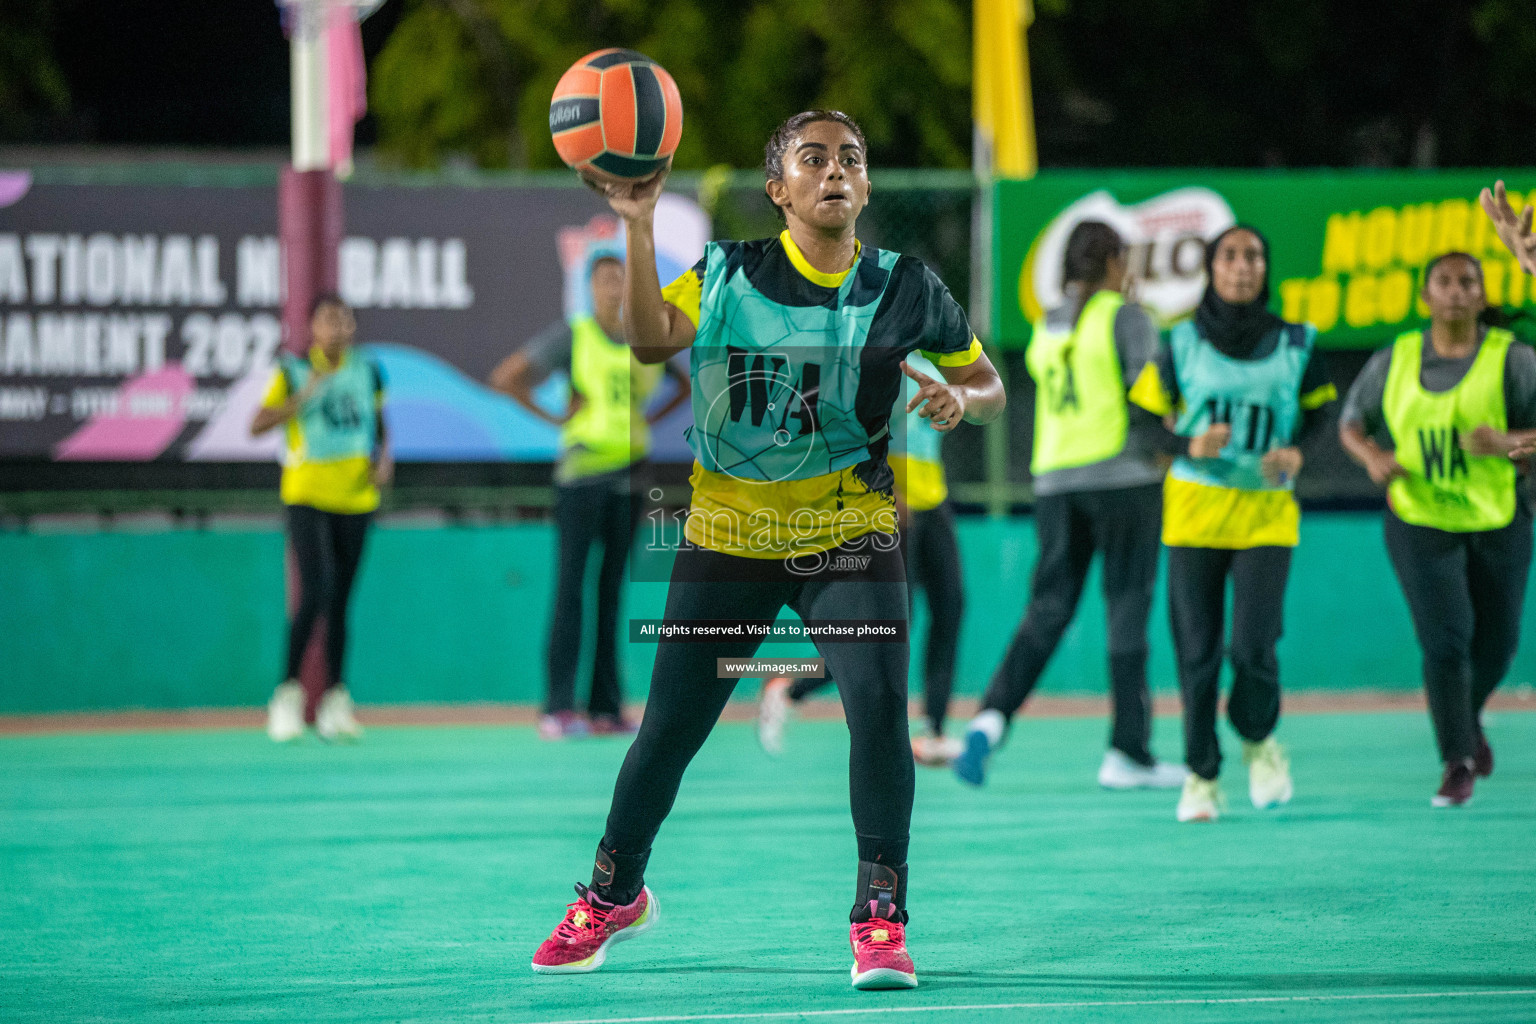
x=1166 y=235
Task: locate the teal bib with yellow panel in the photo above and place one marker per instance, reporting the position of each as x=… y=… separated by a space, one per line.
x=1257 y=398
x=340 y=421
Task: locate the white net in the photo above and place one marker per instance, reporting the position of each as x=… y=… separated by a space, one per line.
x=306 y=16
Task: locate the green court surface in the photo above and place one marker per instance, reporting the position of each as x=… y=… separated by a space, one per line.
x=214 y=877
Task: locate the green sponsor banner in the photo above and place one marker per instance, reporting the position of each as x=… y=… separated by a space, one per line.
x=1347 y=248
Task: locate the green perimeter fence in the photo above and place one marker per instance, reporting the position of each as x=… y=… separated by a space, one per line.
x=195 y=617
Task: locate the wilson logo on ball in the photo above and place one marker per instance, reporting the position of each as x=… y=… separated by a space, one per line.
x=618 y=112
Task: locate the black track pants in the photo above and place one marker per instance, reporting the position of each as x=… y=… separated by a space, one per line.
x=686 y=697
x=1197 y=590
x=588 y=514
x=327 y=548
x=1124 y=526
x=1465 y=592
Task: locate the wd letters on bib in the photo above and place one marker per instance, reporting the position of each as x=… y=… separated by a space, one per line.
x=796 y=373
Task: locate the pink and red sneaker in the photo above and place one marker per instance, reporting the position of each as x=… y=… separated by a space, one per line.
x=880 y=957
x=580 y=943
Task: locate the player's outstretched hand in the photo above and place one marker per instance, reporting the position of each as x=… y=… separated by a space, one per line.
x=1514 y=229
x=945 y=406
x=632 y=200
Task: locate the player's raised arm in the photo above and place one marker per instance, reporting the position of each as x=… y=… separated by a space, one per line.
x=656 y=329
x=1514 y=228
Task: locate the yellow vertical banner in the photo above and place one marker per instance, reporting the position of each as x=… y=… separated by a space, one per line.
x=1001 y=106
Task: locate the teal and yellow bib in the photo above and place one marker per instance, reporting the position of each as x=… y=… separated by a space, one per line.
x=775 y=385
x=340 y=422
x=1258 y=398
x=916 y=448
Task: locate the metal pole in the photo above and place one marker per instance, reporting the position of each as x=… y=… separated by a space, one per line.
x=309 y=215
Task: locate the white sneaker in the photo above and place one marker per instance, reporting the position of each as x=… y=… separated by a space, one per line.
x=1201 y=799
x=1120 y=772
x=773 y=709
x=1269 y=773
x=936 y=751
x=334 y=719
x=285 y=712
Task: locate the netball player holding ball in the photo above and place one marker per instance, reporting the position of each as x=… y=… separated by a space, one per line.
x=797 y=346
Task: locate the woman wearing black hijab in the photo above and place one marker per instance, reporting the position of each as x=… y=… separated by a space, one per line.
x=1244 y=388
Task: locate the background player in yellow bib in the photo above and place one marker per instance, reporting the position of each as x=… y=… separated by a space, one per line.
x=1098 y=490
x=1245 y=389
x=336 y=455
x=796 y=347
x=1434 y=419
x=599 y=483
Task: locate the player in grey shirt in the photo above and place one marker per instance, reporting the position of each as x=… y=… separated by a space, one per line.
x=1137 y=464
x=1461 y=563
x=1110 y=508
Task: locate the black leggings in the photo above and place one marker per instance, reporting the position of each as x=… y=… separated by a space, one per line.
x=932 y=555
x=1197 y=591
x=1465 y=592
x=687 y=696
x=1124 y=525
x=586 y=513
x=327 y=547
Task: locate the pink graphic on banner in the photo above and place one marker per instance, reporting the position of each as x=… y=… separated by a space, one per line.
x=145 y=417
x=14 y=185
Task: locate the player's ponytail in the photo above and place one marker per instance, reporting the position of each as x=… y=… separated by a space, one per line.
x=1090 y=247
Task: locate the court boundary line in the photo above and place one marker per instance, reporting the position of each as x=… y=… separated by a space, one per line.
x=1066 y=1005
x=490 y=713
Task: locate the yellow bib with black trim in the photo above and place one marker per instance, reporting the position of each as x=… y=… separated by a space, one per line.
x=1080 y=414
x=1446 y=487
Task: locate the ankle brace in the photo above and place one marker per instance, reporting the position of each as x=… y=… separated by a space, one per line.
x=881 y=892
x=618 y=877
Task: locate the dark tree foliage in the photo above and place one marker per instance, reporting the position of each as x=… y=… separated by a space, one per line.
x=1291 y=83
x=1152 y=83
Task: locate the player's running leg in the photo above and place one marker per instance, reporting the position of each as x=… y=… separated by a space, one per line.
x=685 y=701
x=934 y=567
x=1129 y=532
x=1065 y=538
x=315 y=562
x=1431 y=567
x=1498 y=566
x=605 y=706
x=872 y=681
x=1197 y=584
x=334 y=717
x=1258 y=605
